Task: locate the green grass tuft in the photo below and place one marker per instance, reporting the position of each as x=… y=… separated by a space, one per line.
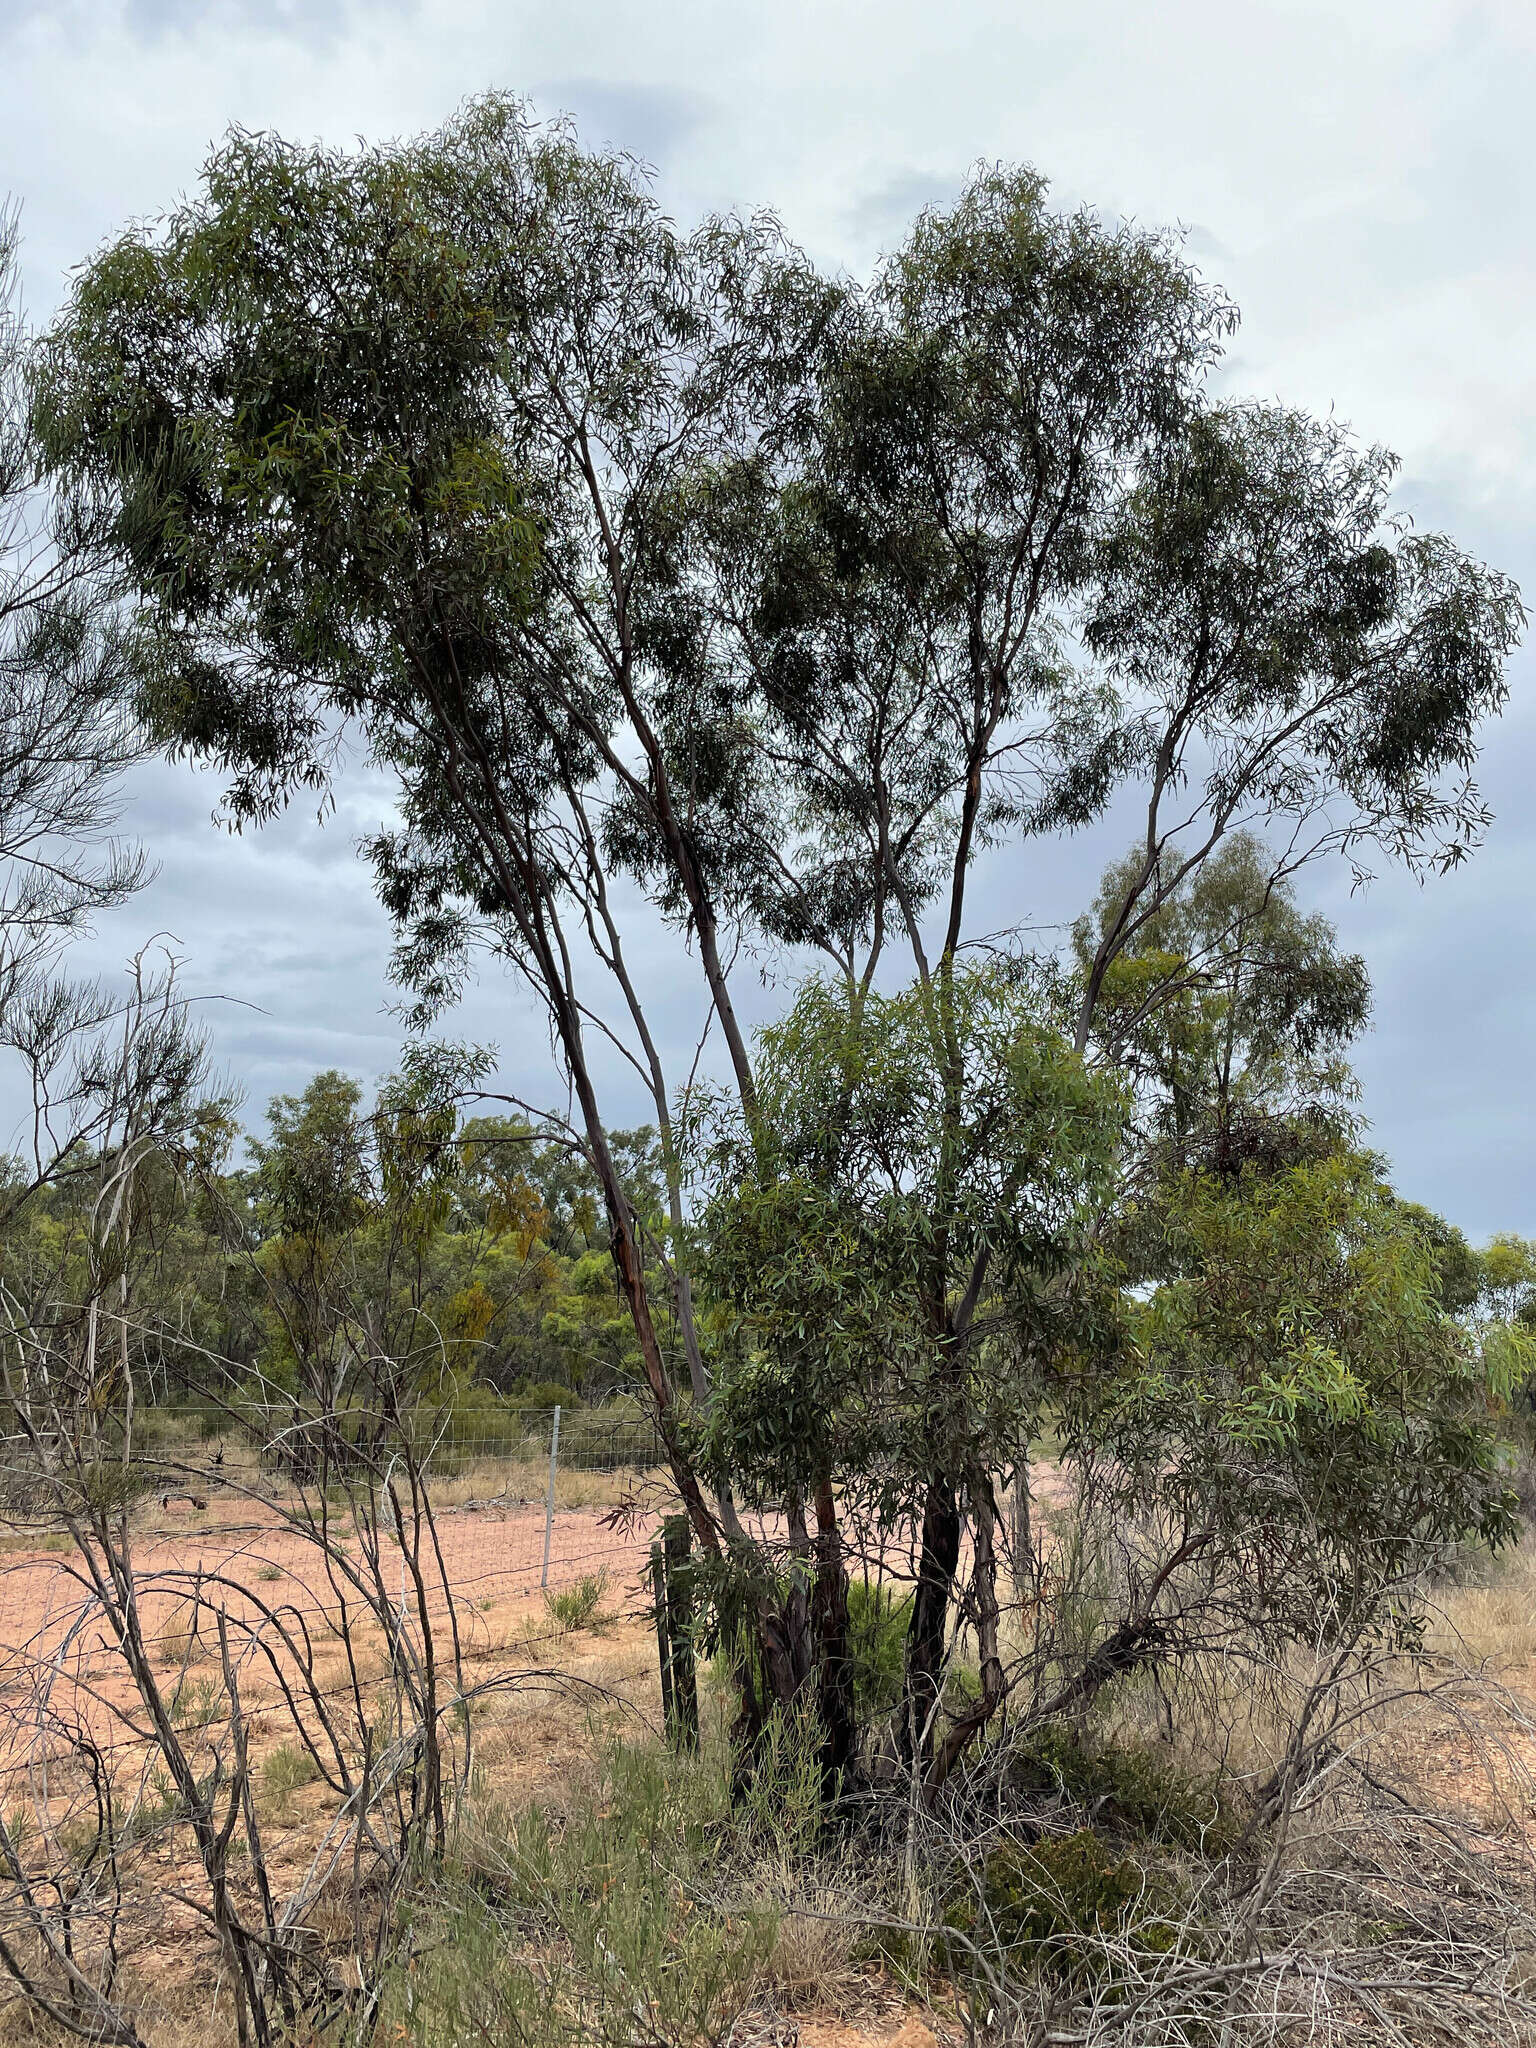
x=576 y=1606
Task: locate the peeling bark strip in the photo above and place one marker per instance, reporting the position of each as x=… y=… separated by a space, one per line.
x=839 y=1726
x=967 y=1726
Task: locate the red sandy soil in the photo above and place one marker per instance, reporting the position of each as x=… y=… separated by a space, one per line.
x=61 y=1678
x=60 y=1672
x=58 y=1668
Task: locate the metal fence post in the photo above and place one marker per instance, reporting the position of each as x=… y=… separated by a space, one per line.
x=549 y=1499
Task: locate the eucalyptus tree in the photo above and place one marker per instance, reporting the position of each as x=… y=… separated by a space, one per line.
x=66 y=729
x=833 y=1379
x=1292 y=656
x=101 y=1075
x=449 y=441
x=1012 y=561
x=637 y=553
x=386 y=439
x=1230 y=1009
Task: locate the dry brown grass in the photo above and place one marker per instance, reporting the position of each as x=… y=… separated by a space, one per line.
x=814 y=1966
x=191 y=2014
x=1488 y=1616
x=503 y=1480
x=180 y=1642
x=1463 y=1753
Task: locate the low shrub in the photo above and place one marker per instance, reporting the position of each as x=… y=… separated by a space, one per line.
x=576 y=1606
x=198 y=1703
x=107 y=1487
x=194 y=1418
x=1126 y=1787
x=287 y=1769
x=187 y=1635
x=158 y=1806
x=1052 y=1903
x=549 y=1394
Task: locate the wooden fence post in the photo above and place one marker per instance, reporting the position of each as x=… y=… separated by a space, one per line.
x=672 y=1581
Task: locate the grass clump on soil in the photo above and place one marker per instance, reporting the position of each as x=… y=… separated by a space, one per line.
x=287 y=1769
x=197 y=1703
x=181 y=1641
x=657 y=1901
x=576 y=1606
x=158 y=1806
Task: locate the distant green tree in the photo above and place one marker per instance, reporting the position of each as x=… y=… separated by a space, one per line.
x=1458 y=1268
x=312 y=1173
x=1231 y=1009
x=1506 y=1278
x=1297 y=1407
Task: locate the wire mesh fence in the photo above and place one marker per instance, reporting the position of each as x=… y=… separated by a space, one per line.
x=316 y=1552
x=252 y=1652
x=248 y=1650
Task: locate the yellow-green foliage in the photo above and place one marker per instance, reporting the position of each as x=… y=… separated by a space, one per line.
x=480 y=1247
x=1294 y=1386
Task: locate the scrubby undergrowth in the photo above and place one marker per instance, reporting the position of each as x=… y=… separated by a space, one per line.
x=1314 y=1856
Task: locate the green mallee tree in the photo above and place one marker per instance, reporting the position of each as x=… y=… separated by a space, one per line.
x=835 y=1379
x=649 y=557
x=1010 y=560
x=407 y=479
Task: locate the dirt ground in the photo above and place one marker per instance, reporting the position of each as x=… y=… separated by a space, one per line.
x=58 y=1671
x=560 y=1698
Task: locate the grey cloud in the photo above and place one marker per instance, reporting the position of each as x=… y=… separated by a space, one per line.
x=883 y=213
x=315 y=23
x=1203 y=245
x=1372 y=213
x=647 y=121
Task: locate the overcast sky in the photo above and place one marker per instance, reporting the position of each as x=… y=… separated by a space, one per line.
x=1351 y=171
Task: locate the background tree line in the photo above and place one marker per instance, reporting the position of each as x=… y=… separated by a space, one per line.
x=506 y=1270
